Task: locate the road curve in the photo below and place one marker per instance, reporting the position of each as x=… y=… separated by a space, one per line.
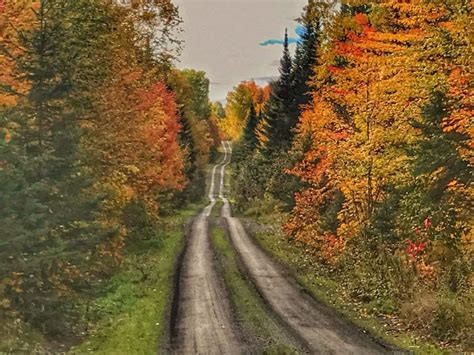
x=318 y=326
x=203 y=323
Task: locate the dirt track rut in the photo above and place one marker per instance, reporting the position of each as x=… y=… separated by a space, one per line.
x=319 y=327
x=204 y=323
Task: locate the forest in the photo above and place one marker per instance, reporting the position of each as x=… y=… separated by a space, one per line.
x=100 y=136
x=359 y=155
x=363 y=148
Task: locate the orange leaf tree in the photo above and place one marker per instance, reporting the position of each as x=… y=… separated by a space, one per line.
x=358 y=124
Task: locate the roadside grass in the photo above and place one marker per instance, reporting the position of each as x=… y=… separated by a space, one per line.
x=328 y=289
x=227 y=182
x=131 y=316
x=252 y=314
x=16 y=337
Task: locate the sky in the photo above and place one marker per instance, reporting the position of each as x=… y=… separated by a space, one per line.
x=236 y=40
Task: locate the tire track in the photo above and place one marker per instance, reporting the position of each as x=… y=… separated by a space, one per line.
x=320 y=328
x=203 y=323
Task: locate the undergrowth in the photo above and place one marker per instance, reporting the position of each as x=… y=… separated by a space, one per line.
x=422 y=321
x=131 y=315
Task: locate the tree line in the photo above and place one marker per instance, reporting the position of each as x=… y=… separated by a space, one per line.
x=365 y=144
x=100 y=135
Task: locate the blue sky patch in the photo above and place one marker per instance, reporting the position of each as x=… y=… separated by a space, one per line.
x=300 y=31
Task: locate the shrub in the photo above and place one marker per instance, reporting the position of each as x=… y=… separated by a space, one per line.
x=453 y=318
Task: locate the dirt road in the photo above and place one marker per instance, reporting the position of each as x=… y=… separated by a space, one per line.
x=319 y=327
x=204 y=323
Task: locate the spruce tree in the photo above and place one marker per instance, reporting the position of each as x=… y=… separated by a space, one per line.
x=292 y=91
x=438 y=148
x=285 y=72
x=436 y=163
x=277 y=109
x=249 y=138
x=48 y=228
x=194 y=188
x=305 y=60
x=440 y=176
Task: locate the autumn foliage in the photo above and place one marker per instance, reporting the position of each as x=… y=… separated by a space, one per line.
x=93 y=147
x=15 y=16
x=366 y=96
x=389 y=161
x=383 y=158
x=238 y=107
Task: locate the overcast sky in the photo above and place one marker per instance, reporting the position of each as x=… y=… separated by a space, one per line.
x=223 y=37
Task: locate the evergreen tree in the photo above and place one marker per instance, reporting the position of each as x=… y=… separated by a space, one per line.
x=292 y=91
x=194 y=189
x=441 y=174
x=277 y=109
x=219 y=109
x=305 y=60
x=438 y=148
x=250 y=139
x=285 y=72
x=48 y=226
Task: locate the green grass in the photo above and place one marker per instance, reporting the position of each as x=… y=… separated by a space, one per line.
x=217 y=209
x=252 y=314
x=329 y=290
x=132 y=315
x=18 y=337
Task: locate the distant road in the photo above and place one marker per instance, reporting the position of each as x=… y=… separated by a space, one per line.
x=205 y=323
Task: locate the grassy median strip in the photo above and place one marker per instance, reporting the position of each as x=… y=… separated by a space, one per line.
x=216 y=211
x=131 y=316
x=254 y=318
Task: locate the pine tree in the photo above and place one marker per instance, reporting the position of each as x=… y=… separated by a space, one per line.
x=292 y=91
x=442 y=174
x=48 y=227
x=438 y=149
x=194 y=188
x=304 y=62
x=276 y=111
x=285 y=72
x=250 y=140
